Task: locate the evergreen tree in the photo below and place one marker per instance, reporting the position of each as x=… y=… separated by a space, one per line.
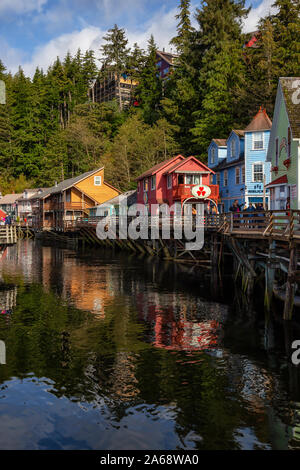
x=287 y=37
x=115 y=55
x=149 y=91
x=222 y=69
x=184 y=26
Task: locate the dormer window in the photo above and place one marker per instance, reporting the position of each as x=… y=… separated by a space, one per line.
x=258 y=141
x=213 y=155
x=232 y=148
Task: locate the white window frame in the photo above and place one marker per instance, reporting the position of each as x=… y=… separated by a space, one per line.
x=243 y=174
x=237 y=175
x=232 y=148
x=153 y=182
x=169 y=181
x=225 y=179
x=213 y=155
x=97 y=180
x=145 y=185
x=193 y=178
x=262 y=165
x=254 y=140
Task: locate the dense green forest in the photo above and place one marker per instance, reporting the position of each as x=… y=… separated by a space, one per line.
x=50 y=131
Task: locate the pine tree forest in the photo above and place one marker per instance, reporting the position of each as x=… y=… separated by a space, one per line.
x=50 y=130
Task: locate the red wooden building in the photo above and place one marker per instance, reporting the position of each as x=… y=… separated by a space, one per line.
x=172 y=182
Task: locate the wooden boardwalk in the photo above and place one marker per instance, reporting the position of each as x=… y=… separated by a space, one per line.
x=8 y=235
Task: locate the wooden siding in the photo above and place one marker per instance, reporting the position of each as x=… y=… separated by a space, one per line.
x=100 y=193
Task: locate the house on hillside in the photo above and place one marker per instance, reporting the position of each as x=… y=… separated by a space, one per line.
x=165 y=62
x=240 y=165
x=58 y=207
x=284 y=147
x=8 y=204
x=172 y=182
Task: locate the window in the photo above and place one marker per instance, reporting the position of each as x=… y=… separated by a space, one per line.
x=282 y=189
x=289 y=143
x=193 y=179
x=169 y=181
x=213 y=155
x=218 y=179
x=97 y=180
x=153 y=182
x=257 y=172
x=145 y=183
x=232 y=148
x=243 y=174
x=225 y=178
x=276 y=151
x=258 y=141
x=237 y=176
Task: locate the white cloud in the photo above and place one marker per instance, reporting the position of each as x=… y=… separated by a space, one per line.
x=21 y=6
x=43 y=56
x=262 y=10
x=162 y=26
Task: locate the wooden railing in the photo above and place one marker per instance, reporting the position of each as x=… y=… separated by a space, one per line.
x=60 y=206
x=8 y=234
x=262 y=224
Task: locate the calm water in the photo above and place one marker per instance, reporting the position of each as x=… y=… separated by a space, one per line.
x=109 y=351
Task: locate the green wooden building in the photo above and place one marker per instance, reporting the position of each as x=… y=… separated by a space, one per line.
x=284 y=146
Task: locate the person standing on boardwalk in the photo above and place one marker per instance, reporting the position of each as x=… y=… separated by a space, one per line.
x=8 y=220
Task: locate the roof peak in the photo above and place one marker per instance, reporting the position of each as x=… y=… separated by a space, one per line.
x=260 y=122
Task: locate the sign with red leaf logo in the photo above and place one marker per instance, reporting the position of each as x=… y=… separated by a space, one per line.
x=201 y=191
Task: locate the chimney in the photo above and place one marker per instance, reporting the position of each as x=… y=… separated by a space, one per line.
x=55 y=184
x=1 y=195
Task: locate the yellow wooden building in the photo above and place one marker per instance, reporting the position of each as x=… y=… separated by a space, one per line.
x=58 y=207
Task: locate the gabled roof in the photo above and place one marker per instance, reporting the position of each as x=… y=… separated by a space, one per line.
x=291 y=91
x=158 y=167
x=183 y=162
x=66 y=184
x=260 y=122
x=9 y=198
x=281 y=180
x=167 y=56
x=238 y=132
x=220 y=142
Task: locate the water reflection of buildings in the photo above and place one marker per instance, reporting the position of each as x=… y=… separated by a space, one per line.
x=8 y=300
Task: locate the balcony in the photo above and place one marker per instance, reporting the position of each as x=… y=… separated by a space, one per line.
x=184 y=191
x=69 y=206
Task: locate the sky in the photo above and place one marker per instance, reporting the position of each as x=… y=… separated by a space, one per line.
x=34 y=32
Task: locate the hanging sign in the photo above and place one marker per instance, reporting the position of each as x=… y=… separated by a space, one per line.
x=145 y=198
x=201 y=191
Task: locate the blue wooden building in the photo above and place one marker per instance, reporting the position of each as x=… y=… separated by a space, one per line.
x=240 y=165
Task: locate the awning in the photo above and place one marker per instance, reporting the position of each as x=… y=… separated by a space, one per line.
x=281 y=180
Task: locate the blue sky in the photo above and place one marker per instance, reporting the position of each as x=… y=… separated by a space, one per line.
x=34 y=32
